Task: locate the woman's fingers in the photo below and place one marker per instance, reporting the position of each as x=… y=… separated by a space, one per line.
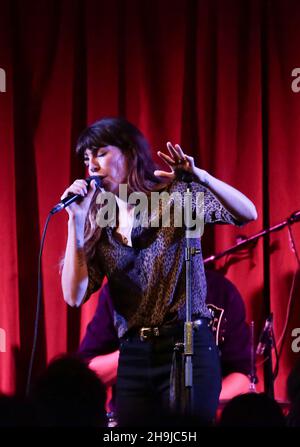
x=173 y=151
x=81 y=188
x=176 y=152
x=158 y=173
x=82 y=184
x=92 y=188
x=78 y=187
x=180 y=152
x=176 y=160
x=73 y=190
x=166 y=158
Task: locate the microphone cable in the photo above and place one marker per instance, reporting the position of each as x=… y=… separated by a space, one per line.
x=38 y=307
x=40 y=285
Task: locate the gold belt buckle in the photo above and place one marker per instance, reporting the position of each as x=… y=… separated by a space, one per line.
x=156 y=331
x=145 y=332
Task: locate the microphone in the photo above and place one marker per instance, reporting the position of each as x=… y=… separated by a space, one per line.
x=264 y=339
x=73 y=197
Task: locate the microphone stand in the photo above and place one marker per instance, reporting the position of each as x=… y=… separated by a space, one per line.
x=253 y=376
x=295 y=217
x=190 y=251
x=188 y=348
x=268 y=371
x=269 y=375
x=188 y=325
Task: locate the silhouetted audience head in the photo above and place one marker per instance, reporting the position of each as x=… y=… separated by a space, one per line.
x=69 y=394
x=293 y=383
x=293 y=393
x=252 y=410
x=15 y=412
x=158 y=416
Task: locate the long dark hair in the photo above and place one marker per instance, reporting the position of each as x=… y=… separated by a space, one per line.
x=130 y=140
x=134 y=146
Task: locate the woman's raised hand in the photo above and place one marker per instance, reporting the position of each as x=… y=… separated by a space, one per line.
x=80 y=187
x=177 y=160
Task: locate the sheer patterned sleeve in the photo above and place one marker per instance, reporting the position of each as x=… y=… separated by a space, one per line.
x=215 y=212
x=96 y=277
x=207 y=204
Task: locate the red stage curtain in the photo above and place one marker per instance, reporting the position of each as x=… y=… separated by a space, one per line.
x=212 y=75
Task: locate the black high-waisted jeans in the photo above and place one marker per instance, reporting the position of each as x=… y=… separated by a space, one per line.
x=143 y=381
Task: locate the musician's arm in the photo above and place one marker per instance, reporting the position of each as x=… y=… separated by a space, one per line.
x=234 y=384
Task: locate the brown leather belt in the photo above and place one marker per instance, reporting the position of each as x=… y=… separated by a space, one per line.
x=166 y=330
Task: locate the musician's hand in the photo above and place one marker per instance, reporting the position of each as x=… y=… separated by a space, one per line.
x=176 y=160
x=80 y=187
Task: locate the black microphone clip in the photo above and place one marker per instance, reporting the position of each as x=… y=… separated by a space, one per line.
x=74 y=197
x=266 y=336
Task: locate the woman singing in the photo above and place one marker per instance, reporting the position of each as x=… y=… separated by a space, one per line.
x=144 y=264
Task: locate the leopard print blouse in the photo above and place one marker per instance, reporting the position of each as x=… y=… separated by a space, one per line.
x=147 y=281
